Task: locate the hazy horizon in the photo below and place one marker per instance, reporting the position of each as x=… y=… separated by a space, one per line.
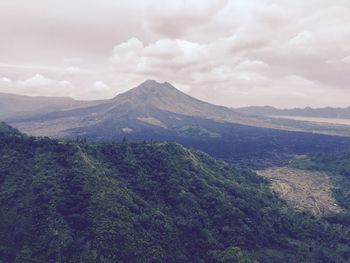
x=285 y=54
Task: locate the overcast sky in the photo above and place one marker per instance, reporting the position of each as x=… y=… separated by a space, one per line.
x=285 y=53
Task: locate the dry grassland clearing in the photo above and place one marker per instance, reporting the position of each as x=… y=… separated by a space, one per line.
x=304 y=190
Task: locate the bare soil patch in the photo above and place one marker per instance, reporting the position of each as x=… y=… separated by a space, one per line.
x=304 y=190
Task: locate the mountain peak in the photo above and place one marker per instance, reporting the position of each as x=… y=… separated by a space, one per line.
x=152 y=85
x=151 y=89
x=150 y=82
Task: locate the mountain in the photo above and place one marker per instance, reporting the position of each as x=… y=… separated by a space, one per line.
x=142 y=105
x=329 y=112
x=146 y=202
x=12 y=105
x=160 y=112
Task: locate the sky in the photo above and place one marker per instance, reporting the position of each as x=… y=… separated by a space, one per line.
x=285 y=53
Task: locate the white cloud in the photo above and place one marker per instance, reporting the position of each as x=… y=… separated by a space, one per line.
x=5 y=81
x=40 y=85
x=99 y=90
x=301 y=39
x=100 y=86
x=65 y=83
x=6 y=85
x=36 y=81
x=126 y=55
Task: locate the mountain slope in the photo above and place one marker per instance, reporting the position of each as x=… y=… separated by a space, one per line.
x=142 y=202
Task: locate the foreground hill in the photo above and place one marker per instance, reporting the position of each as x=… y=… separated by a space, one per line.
x=146 y=202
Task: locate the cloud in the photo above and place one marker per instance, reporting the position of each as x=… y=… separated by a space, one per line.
x=252 y=65
x=5 y=81
x=100 y=86
x=173 y=19
x=39 y=85
x=346 y=59
x=6 y=85
x=166 y=59
x=126 y=55
x=74 y=71
x=301 y=39
x=232 y=52
x=35 y=81
x=98 y=90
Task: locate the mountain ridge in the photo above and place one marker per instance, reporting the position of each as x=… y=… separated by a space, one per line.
x=21 y=106
x=326 y=112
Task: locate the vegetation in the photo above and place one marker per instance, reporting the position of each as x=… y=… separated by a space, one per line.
x=197 y=131
x=146 y=202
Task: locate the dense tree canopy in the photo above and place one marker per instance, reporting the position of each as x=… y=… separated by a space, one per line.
x=146 y=202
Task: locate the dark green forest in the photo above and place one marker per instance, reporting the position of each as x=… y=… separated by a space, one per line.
x=78 y=201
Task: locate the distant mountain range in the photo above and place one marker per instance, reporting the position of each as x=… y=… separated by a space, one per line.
x=328 y=112
x=12 y=106
x=158 y=111
x=152 y=106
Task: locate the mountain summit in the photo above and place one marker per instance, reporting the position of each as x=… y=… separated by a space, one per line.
x=148 y=89
x=164 y=96
x=154 y=86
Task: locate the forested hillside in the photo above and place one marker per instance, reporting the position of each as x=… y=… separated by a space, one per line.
x=146 y=202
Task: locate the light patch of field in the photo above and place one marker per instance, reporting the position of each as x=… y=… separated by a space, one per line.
x=127 y=130
x=153 y=121
x=315 y=119
x=56 y=128
x=304 y=190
